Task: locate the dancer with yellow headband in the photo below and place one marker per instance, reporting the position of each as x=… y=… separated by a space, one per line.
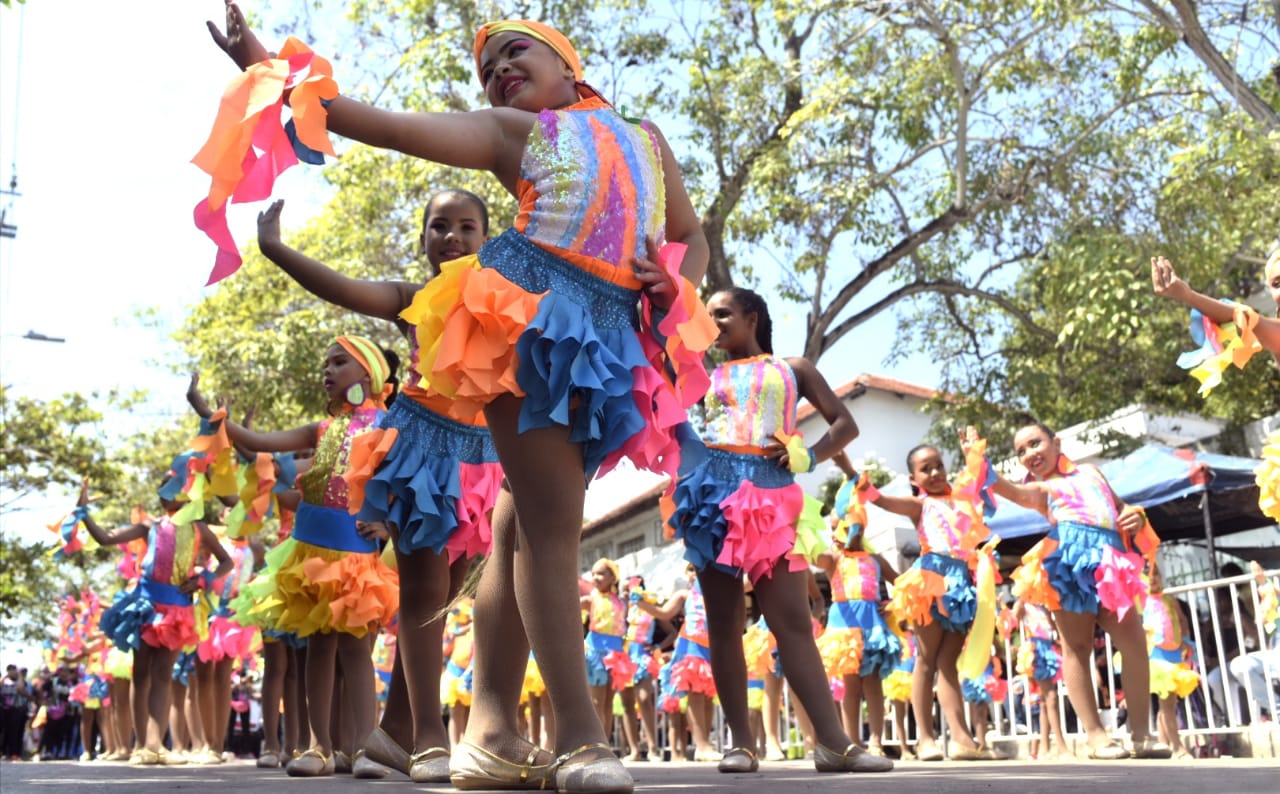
x=539 y=331
x=327 y=581
x=430 y=480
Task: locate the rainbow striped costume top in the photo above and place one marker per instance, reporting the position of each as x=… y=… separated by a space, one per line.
x=856 y=578
x=639 y=626
x=695 y=616
x=940 y=530
x=1036 y=623
x=608 y=614
x=750 y=400
x=1081 y=496
x=591 y=185
x=1161 y=619
x=171 y=552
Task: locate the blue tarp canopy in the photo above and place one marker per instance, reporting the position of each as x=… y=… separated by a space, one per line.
x=1169 y=483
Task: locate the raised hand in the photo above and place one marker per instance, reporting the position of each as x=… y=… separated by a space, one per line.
x=269 y=225
x=84 y=493
x=1164 y=280
x=196 y=399
x=239 y=41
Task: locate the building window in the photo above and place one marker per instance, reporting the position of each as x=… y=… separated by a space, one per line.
x=631 y=544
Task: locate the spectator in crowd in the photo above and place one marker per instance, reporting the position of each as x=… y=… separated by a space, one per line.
x=15 y=696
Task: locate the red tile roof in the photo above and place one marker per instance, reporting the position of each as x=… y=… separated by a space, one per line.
x=866 y=380
x=636 y=504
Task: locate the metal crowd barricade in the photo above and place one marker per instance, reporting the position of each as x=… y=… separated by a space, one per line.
x=1237 y=687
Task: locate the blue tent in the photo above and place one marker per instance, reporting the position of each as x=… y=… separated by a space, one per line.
x=1172 y=485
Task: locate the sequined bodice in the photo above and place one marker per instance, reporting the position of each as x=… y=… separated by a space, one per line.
x=323 y=485
x=171 y=552
x=608 y=614
x=695 y=616
x=639 y=625
x=591 y=184
x=750 y=400
x=856 y=578
x=1082 y=497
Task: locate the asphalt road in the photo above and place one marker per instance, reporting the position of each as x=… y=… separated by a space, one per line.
x=1203 y=776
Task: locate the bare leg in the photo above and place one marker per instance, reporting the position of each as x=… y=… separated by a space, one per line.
x=141 y=694
x=1050 y=723
x=1130 y=639
x=771 y=713
x=648 y=712
x=181 y=735
x=191 y=711
x=160 y=671
x=397 y=717
x=900 y=726
x=938 y=651
x=358 y=687
x=602 y=701
x=1076 y=629
x=427 y=584
x=726 y=614
x=297 y=719
x=851 y=707
x=88 y=718
x=978 y=718
x=700 y=725
x=1168 y=722
x=873 y=691
x=122 y=708
x=784 y=600
x=275 y=663
x=548 y=483
x=322 y=652
x=500 y=649
x=221 y=706
x=630 y=728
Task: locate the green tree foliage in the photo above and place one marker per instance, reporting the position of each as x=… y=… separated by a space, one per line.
x=1003 y=170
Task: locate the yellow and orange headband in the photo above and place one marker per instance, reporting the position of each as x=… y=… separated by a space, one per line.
x=543 y=33
x=374 y=362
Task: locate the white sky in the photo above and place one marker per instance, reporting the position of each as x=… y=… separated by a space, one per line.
x=100 y=122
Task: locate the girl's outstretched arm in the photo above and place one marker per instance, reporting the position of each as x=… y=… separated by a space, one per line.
x=114 y=537
x=1030 y=495
x=381 y=299
x=1167 y=284
x=909 y=506
x=887 y=571
x=279 y=441
x=669 y=609
x=487 y=140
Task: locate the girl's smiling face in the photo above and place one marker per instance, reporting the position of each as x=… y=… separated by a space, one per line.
x=341 y=372
x=737 y=329
x=454 y=228
x=1037 y=451
x=518 y=71
x=602 y=577
x=928 y=472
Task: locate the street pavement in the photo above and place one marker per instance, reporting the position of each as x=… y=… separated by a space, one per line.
x=1202 y=776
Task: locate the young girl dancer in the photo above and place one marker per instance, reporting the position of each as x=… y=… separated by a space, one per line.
x=1040 y=661
x=638 y=695
x=597 y=194
x=326 y=582
x=937 y=598
x=431 y=480
x=857 y=644
x=690 y=667
x=156 y=618
x=1173 y=674
x=1087 y=572
x=609 y=667
x=739 y=511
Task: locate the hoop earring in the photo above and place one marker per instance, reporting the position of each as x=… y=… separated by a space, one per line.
x=355 y=394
